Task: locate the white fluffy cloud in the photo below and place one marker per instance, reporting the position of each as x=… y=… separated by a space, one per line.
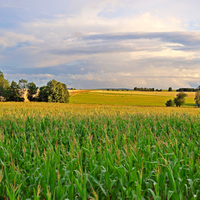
x=12 y=39
x=117 y=43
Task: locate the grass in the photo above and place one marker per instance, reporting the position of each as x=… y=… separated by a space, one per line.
x=136 y=98
x=65 y=151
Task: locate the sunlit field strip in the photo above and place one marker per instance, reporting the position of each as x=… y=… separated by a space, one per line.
x=116 y=98
x=65 y=151
x=151 y=93
x=21 y=109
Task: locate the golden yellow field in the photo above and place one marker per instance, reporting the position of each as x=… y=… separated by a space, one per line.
x=152 y=93
x=24 y=109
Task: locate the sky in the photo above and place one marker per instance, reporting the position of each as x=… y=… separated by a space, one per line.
x=90 y=44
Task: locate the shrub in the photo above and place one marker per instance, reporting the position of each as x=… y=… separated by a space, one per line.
x=169 y=103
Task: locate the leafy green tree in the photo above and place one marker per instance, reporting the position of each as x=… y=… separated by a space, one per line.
x=23 y=84
x=170 y=89
x=180 y=99
x=32 y=90
x=54 y=92
x=4 y=84
x=13 y=92
x=57 y=92
x=169 y=103
x=197 y=98
x=43 y=94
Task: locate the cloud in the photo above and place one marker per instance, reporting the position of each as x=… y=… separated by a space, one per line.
x=183 y=38
x=103 y=80
x=11 y=39
x=9 y=5
x=118 y=43
x=25 y=76
x=39 y=79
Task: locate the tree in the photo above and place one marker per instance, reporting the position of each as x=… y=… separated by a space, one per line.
x=170 y=89
x=180 y=99
x=4 y=84
x=32 y=90
x=197 y=98
x=43 y=94
x=23 y=84
x=58 y=92
x=54 y=92
x=13 y=92
x=169 y=103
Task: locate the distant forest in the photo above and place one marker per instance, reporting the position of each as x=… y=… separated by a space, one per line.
x=153 y=89
x=188 y=89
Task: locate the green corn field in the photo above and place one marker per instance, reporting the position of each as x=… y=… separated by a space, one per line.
x=64 y=151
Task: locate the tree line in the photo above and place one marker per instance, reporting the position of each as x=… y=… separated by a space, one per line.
x=146 y=89
x=54 y=91
x=135 y=89
x=187 y=89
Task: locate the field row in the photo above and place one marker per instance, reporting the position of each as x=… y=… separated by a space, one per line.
x=134 y=98
x=59 y=151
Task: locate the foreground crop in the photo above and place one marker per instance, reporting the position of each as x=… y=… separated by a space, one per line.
x=83 y=152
